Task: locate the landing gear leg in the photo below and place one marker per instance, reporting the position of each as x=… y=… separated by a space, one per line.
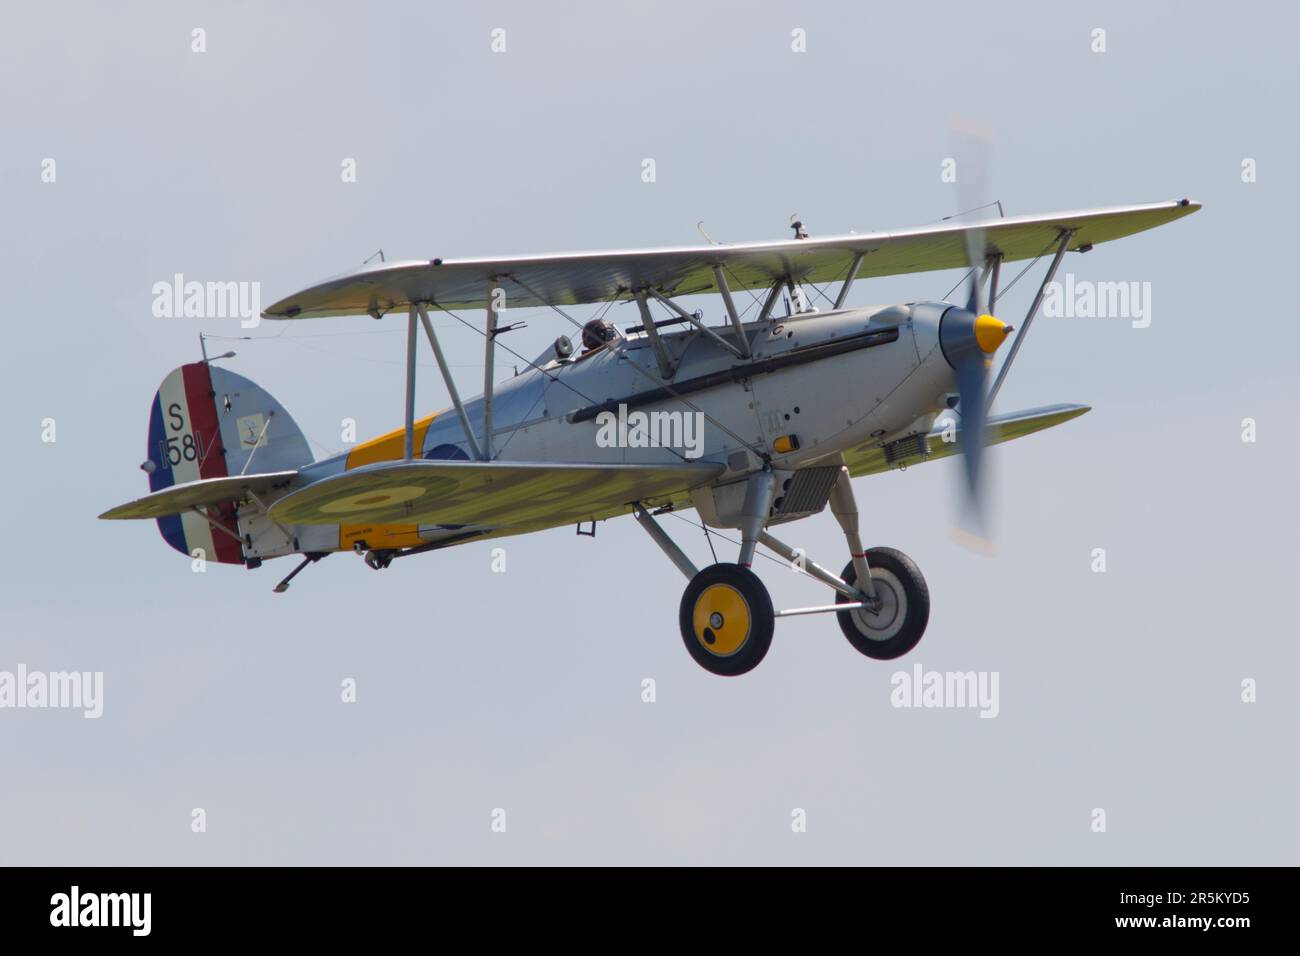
x=726 y=616
x=845 y=508
x=760 y=491
x=894 y=594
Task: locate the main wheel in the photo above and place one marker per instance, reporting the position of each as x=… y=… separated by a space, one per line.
x=726 y=619
x=897 y=626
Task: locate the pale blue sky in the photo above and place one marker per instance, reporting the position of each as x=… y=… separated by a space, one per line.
x=522 y=690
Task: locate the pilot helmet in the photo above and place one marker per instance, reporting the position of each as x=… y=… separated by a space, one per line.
x=596 y=333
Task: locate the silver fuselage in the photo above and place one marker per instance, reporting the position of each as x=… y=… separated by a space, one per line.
x=827 y=405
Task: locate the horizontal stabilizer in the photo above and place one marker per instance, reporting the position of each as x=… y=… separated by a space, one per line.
x=498 y=494
x=206 y=491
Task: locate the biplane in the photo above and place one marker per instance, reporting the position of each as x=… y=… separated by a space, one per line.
x=784 y=411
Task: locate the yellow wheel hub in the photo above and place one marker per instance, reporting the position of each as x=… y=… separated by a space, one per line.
x=721 y=619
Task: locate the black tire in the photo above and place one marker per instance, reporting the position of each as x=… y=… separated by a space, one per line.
x=726 y=619
x=899 y=625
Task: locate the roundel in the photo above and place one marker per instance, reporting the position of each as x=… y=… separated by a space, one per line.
x=371 y=500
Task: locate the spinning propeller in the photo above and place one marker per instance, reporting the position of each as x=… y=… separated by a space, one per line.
x=969 y=337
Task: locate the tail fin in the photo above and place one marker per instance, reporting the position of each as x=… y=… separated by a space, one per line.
x=207 y=422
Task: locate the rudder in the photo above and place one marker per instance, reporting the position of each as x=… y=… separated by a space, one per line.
x=208 y=422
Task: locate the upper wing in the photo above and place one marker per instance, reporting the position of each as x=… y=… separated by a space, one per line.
x=205 y=491
x=870 y=460
x=576 y=278
x=497 y=494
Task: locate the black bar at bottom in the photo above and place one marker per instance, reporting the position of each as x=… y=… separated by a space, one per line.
x=550 y=905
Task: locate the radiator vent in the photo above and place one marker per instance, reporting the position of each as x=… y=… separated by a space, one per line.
x=913 y=446
x=805 y=492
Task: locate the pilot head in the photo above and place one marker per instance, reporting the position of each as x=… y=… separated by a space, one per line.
x=596 y=333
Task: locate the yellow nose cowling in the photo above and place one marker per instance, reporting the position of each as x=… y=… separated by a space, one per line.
x=990 y=333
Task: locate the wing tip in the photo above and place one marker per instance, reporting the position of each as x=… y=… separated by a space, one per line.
x=119 y=513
